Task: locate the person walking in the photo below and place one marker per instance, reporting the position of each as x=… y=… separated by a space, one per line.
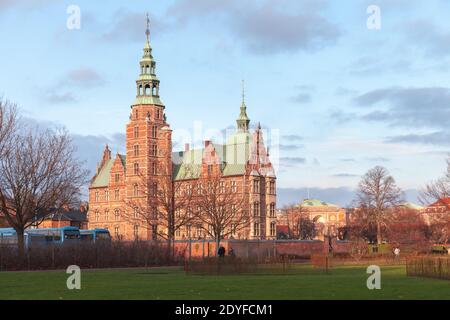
x=221 y=252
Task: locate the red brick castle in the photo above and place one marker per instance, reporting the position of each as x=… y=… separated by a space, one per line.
x=123 y=192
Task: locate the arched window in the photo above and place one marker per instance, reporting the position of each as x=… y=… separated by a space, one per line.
x=117 y=214
x=97 y=215
x=136 y=190
x=141 y=91
x=136 y=212
x=147 y=90
x=106 y=215
x=147 y=69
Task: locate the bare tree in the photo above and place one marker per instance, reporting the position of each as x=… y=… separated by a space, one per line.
x=377 y=192
x=9 y=122
x=407 y=226
x=162 y=202
x=299 y=224
x=438 y=189
x=38 y=174
x=220 y=211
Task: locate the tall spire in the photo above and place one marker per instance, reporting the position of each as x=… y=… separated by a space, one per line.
x=147 y=83
x=243 y=120
x=147 y=31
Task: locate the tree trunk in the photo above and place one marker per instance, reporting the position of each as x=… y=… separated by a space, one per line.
x=217 y=245
x=21 y=245
x=379 y=237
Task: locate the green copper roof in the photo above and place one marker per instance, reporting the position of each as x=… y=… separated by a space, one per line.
x=102 y=179
x=187 y=164
x=316 y=203
x=123 y=158
x=411 y=205
x=148 y=100
x=147 y=77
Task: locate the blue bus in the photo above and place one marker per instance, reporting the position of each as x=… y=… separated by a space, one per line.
x=64 y=235
x=8 y=237
x=95 y=235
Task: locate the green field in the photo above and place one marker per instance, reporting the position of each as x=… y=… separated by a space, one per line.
x=170 y=283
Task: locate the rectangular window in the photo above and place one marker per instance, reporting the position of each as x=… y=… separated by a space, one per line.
x=233 y=186
x=136 y=132
x=106 y=215
x=116 y=178
x=96 y=198
x=271 y=187
x=116 y=231
x=136 y=150
x=154 y=168
x=107 y=195
x=256 y=229
x=154 y=131
x=255 y=186
x=222 y=187
x=136 y=168
x=116 y=195
x=154 y=189
x=273 y=229
x=154 y=150
x=210 y=169
x=256 y=209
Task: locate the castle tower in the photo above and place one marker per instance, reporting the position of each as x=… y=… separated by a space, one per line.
x=148 y=145
x=243 y=120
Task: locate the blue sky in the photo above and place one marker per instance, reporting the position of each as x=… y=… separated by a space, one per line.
x=342 y=98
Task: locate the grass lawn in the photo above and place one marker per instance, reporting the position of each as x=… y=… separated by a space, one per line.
x=165 y=283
